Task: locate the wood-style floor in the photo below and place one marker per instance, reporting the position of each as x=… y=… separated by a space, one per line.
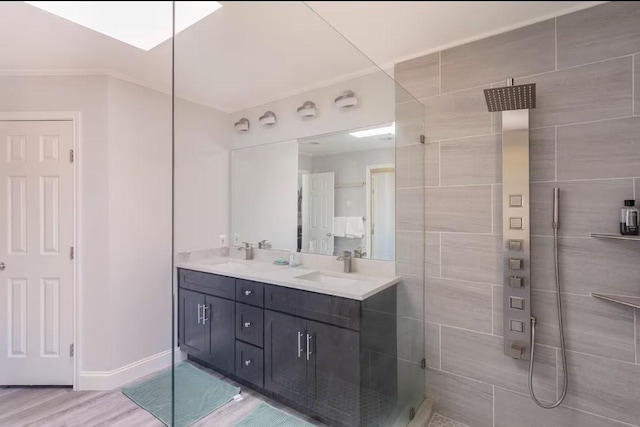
x=62 y=407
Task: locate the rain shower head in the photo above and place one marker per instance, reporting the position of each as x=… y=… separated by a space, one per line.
x=519 y=97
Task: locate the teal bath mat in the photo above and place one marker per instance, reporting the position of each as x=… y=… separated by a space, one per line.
x=197 y=395
x=268 y=416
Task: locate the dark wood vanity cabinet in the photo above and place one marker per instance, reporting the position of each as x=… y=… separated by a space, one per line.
x=331 y=357
x=204 y=325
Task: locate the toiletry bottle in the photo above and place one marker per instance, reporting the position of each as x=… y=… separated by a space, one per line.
x=629 y=219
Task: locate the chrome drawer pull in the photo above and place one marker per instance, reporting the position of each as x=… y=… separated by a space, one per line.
x=247 y=293
x=247 y=324
x=299 y=344
x=247 y=362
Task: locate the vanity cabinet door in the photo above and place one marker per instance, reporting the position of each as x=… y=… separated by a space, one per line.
x=220 y=321
x=192 y=331
x=334 y=371
x=285 y=363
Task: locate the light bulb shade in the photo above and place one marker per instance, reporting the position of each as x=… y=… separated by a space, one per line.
x=307 y=110
x=242 y=125
x=268 y=119
x=346 y=100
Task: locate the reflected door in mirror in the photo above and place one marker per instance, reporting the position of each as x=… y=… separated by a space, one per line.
x=318 y=213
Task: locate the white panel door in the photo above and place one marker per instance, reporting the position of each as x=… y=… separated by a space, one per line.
x=318 y=212
x=36 y=235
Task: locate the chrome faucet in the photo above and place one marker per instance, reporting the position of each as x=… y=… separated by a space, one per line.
x=346 y=258
x=248 y=250
x=264 y=244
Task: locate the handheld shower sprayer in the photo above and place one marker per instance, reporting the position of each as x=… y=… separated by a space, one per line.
x=556 y=225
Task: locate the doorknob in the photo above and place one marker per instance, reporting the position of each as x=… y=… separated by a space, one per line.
x=328 y=234
x=2 y=266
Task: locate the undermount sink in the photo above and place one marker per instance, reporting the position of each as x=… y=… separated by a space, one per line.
x=234 y=266
x=328 y=278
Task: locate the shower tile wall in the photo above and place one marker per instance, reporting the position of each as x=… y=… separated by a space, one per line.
x=585 y=140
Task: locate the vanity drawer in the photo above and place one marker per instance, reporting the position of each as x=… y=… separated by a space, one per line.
x=329 y=309
x=251 y=293
x=250 y=324
x=211 y=284
x=250 y=363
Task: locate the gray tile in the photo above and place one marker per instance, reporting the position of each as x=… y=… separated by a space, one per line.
x=542 y=154
x=481 y=357
x=409 y=122
x=462 y=304
x=497 y=209
x=458 y=209
x=591 y=325
x=462 y=399
x=637 y=318
x=476 y=160
x=592 y=92
x=585 y=206
x=516 y=410
x=636 y=189
x=472 y=257
x=598 y=33
x=410 y=246
x=522 y=52
x=432 y=344
x=411 y=297
x=432 y=254
x=432 y=164
x=587 y=265
x=606 y=149
x=636 y=84
x=411 y=383
x=603 y=386
x=411 y=337
x=420 y=76
x=456 y=115
x=410 y=209
x=410 y=166
x=498 y=327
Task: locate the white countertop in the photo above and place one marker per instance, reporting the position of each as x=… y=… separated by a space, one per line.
x=361 y=287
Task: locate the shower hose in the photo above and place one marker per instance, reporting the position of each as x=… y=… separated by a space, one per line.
x=561 y=327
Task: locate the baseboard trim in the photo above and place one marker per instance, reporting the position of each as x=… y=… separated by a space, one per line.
x=111 y=380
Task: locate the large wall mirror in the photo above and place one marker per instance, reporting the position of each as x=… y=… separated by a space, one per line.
x=324 y=194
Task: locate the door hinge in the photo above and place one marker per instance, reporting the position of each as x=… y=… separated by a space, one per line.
x=71 y=156
x=72 y=350
x=421 y=139
x=423 y=363
x=72 y=253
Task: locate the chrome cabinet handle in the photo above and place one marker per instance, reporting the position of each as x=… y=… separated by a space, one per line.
x=299 y=344
x=247 y=293
x=2 y=266
x=309 y=352
x=204 y=314
x=247 y=324
x=247 y=362
x=199 y=307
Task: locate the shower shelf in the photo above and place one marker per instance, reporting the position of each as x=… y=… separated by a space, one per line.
x=615 y=236
x=628 y=301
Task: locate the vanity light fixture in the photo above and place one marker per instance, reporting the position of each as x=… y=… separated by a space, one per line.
x=346 y=100
x=307 y=110
x=386 y=130
x=268 y=119
x=242 y=125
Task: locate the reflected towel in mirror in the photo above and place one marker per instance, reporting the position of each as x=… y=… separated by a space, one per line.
x=355 y=227
x=340 y=226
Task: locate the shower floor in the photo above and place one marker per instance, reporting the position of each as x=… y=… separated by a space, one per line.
x=441 y=421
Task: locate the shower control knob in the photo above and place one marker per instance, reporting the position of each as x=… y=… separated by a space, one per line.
x=516 y=350
x=515 y=264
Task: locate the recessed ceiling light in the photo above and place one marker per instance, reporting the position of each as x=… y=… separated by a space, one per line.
x=143 y=24
x=386 y=130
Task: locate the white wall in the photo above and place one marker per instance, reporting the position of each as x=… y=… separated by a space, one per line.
x=87 y=94
x=264 y=194
x=125 y=203
x=376 y=94
x=202 y=176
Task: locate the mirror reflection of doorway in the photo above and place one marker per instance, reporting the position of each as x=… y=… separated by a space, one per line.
x=318 y=213
x=381 y=184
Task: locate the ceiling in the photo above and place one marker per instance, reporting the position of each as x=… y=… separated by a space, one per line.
x=343 y=142
x=250 y=53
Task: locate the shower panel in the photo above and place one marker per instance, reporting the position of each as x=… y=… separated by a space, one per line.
x=514 y=102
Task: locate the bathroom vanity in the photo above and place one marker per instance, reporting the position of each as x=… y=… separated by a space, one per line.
x=315 y=343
